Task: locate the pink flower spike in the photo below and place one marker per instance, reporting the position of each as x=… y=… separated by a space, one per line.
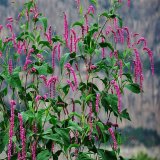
x=97 y=102
x=103 y=49
x=0 y=54
x=22 y=136
x=115 y=23
x=11 y=129
x=121 y=68
x=150 y=54
x=10 y=66
x=38 y=97
x=9 y=26
x=70 y=84
x=92 y=67
x=142 y=39
x=129 y=3
x=34 y=148
x=40 y=56
x=118 y=92
x=1 y=27
x=10 y=19
x=53 y=56
x=69 y=67
x=91 y=9
x=44 y=79
x=59 y=51
x=113 y=138
x=78 y=3
x=66 y=32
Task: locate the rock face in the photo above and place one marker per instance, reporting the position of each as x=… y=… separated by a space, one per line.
x=142 y=17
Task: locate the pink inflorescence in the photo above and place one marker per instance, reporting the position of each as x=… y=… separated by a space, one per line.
x=113 y=138
x=150 y=54
x=53 y=56
x=70 y=68
x=51 y=83
x=97 y=102
x=138 y=68
x=11 y=129
x=66 y=32
x=10 y=66
x=22 y=136
x=34 y=148
x=90 y=120
x=118 y=92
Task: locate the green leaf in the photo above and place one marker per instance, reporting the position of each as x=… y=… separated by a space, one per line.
x=4 y=92
x=106 y=155
x=44 y=22
x=79 y=23
x=88 y=98
x=74 y=126
x=63 y=60
x=94 y=2
x=106 y=44
x=105 y=14
x=42 y=70
x=45 y=44
x=44 y=155
x=54 y=137
x=133 y=87
x=84 y=156
x=125 y=114
x=120 y=21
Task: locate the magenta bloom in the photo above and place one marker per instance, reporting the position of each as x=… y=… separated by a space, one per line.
x=74 y=40
x=97 y=102
x=22 y=136
x=66 y=32
x=52 y=85
x=38 y=97
x=34 y=148
x=11 y=129
x=59 y=51
x=103 y=50
x=71 y=85
x=90 y=120
x=53 y=56
x=9 y=26
x=138 y=67
x=49 y=35
x=1 y=27
x=113 y=138
x=10 y=19
x=118 y=92
x=44 y=79
x=91 y=9
x=10 y=66
x=69 y=67
x=142 y=39
x=150 y=54
x=121 y=68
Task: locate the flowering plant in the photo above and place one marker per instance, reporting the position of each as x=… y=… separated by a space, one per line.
x=59 y=86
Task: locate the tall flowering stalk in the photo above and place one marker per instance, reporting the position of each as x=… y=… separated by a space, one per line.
x=66 y=32
x=10 y=66
x=70 y=68
x=97 y=102
x=118 y=92
x=11 y=129
x=113 y=138
x=22 y=137
x=53 y=56
x=90 y=120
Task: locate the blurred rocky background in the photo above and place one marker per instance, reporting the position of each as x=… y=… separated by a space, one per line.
x=143 y=16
